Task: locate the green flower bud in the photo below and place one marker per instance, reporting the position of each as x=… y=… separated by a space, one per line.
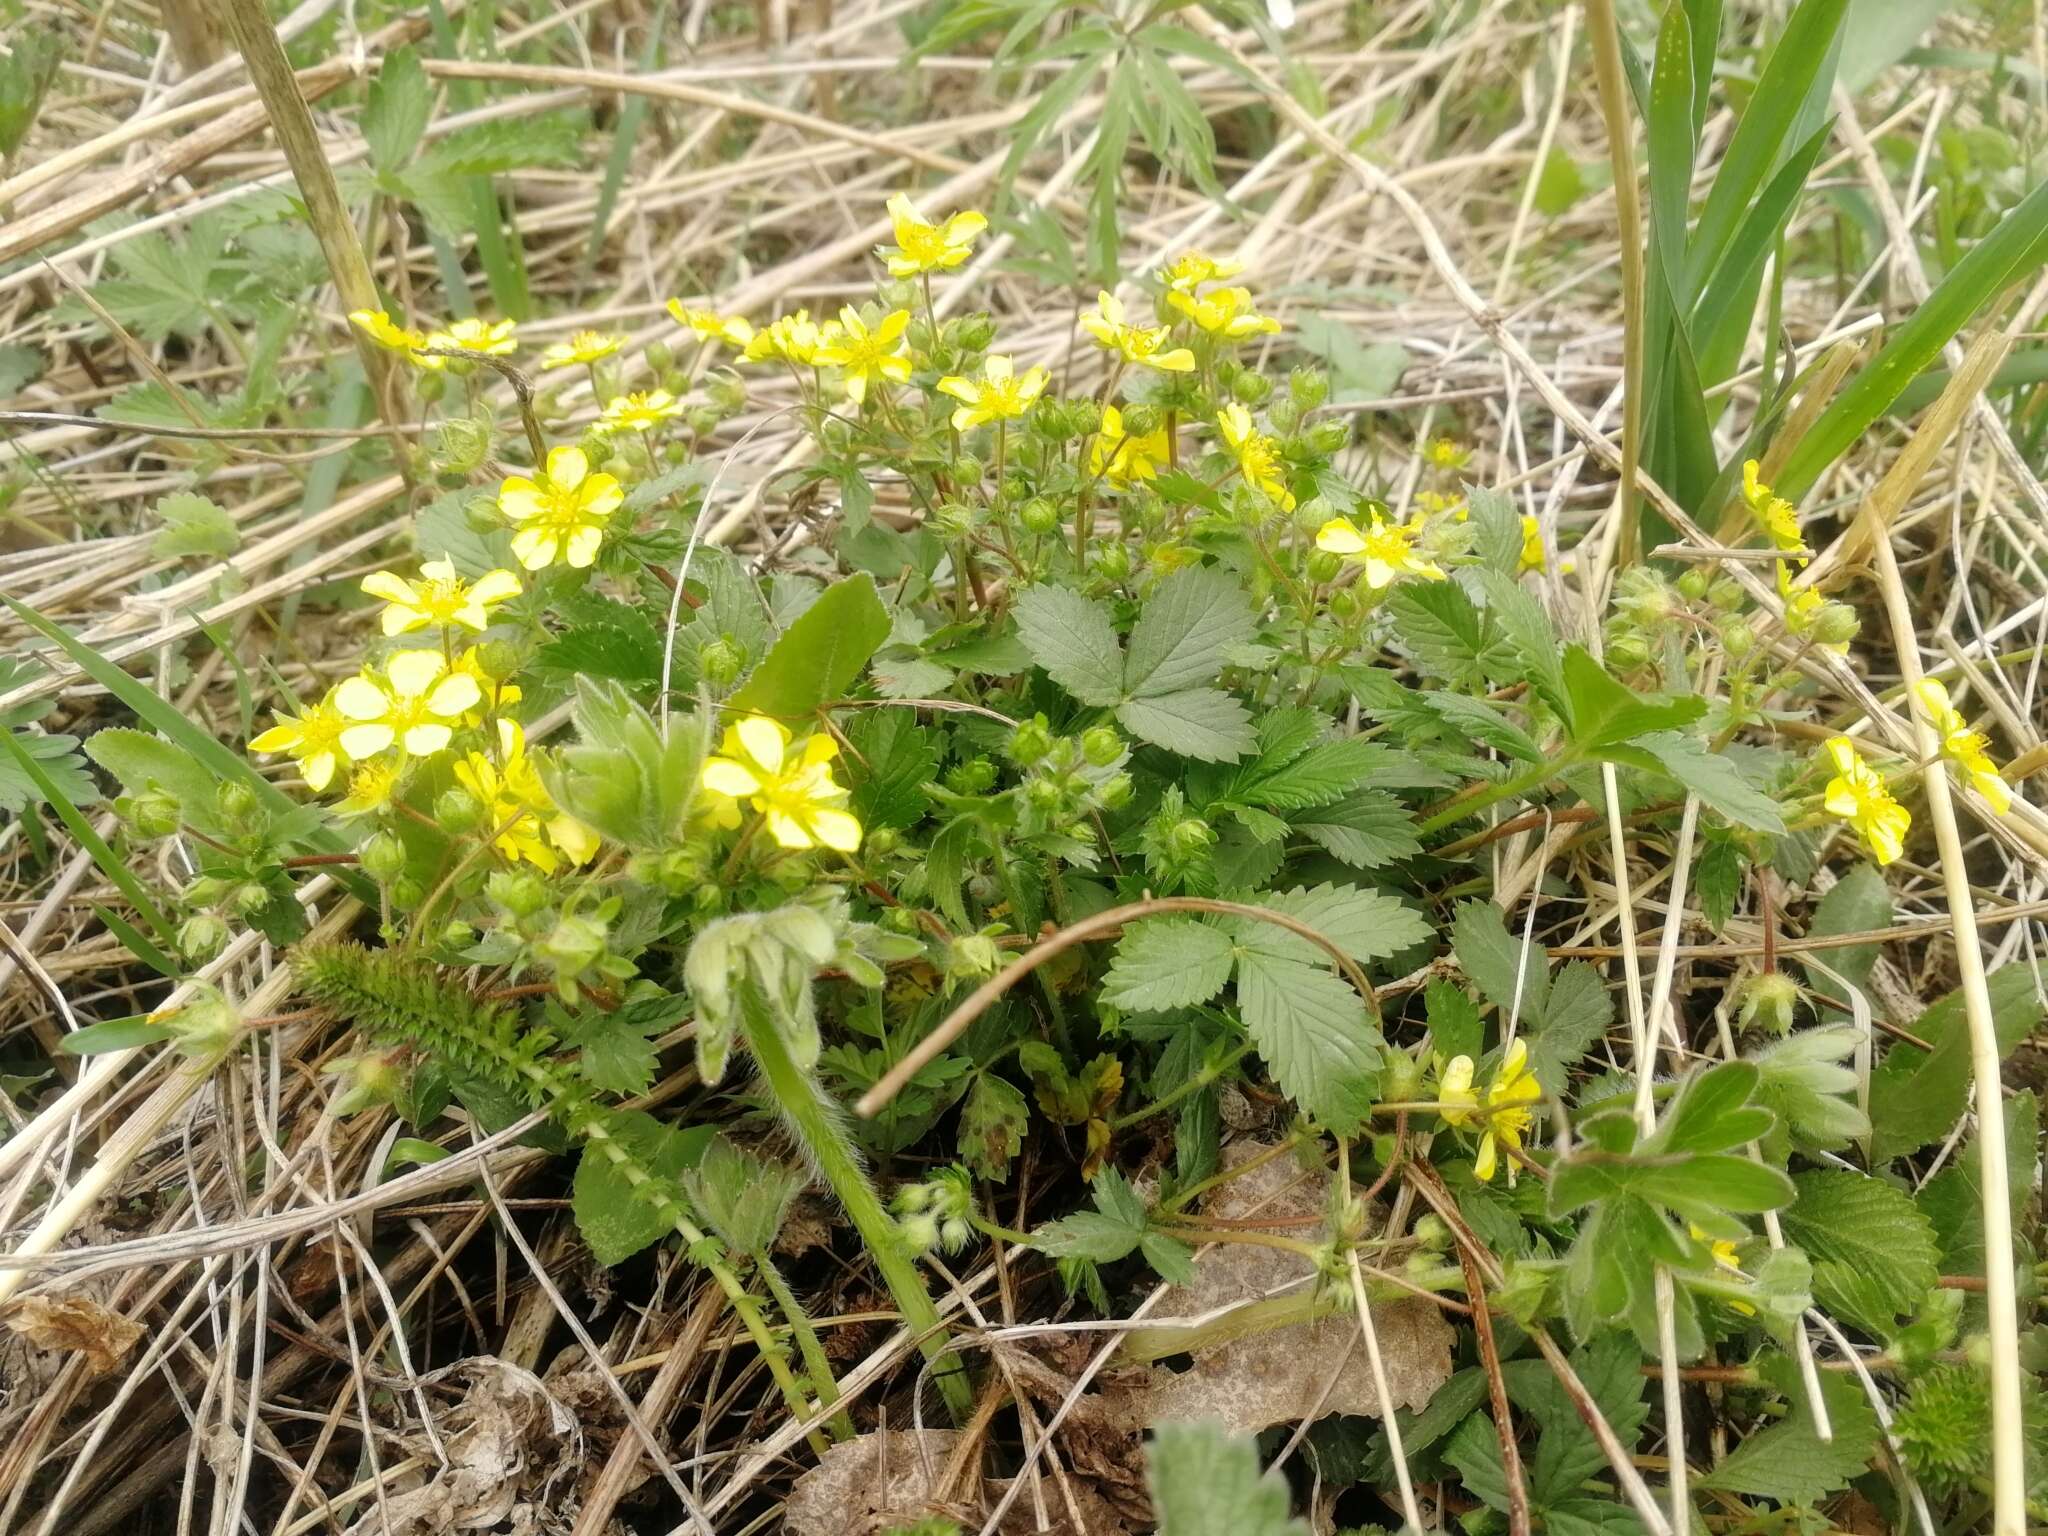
x=973 y=332
x=1251 y=388
x=1324 y=566
x=1769 y=1001
x=976 y=776
x=1344 y=603
x=204 y=1024
x=1430 y=1232
x=519 y=891
x=920 y=1232
x=499 y=660
x=456 y=934
x=460 y=446
x=1045 y=797
x=1084 y=416
x=1310 y=515
x=883 y=840
x=458 y=811
x=480 y=514
x=899 y=919
x=1694 y=582
x=249 y=898
x=1737 y=638
x=968 y=470
x=1628 y=649
x=376 y=1077
x=1039 y=516
x=202 y=937
x=1110 y=561
x=952 y=520
x=1189 y=836
x=406 y=893
x=599 y=449
x=431 y=386
x=1283 y=415
x=1327 y=437
x=1143 y=420
x=897 y=293
x=972 y=957
x=1400 y=1078
x=1725 y=593
x=1308 y=387
x=1115 y=792
x=721 y=661
x=726 y=393
x=660 y=356
x=1030 y=741
x=1049 y=420
x=575 y=944
x=238 y=802
x=954 y=1234
x=1837 y=624
x=702 y=419
x=151 y=814
x=1101 y=746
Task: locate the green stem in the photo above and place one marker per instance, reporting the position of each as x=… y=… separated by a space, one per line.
x=818 y=1126
x=1506 y=789
x=822 y=1380
x=1194 y=1084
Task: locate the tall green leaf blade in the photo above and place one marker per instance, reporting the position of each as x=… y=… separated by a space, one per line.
x=82 y=832
x=1727 y=304
x=820 y=656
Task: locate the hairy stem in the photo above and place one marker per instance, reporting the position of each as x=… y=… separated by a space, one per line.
x=823 y=1382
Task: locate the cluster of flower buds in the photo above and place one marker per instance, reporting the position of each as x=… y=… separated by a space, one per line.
x=1067 y=779
x=936 y=1213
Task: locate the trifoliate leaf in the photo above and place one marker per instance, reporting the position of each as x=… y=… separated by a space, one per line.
x=1110 y=1232
x=1205 y=1482
x=1186 y=631
x=194 y=525
x=1714 y=778
x=1168 y=962
x=1073 y=639
x=1576 y=1012
x=1454 y=640
x=1528 y=632
x=58 y=758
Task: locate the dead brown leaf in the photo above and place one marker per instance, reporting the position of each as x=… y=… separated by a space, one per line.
x=77 y=1324
x=1281 y=1375
x=873 y=1483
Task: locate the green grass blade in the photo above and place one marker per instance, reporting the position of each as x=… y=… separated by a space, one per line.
x=1671 y=149
x=2011 y=251
x=137 y=944
x=2024 y=366
x=1705 y=19
x=623 y=138
x=1722 y=317
x=82 y=833
x=1790 y=77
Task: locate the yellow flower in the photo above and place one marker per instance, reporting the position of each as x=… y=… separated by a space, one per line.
x=1777 y=516
x=1532 y=545
x=710 y=325
x=581 y=347
x=386 y=332
x=1722 y=1251
x=439 y=597
x=1455 y=1099
x=370 y=788
x=412 y=704
x=1858 y=795
x=922 y=247
x=798 y=795
x=863 y=355
x=1189 y=270
x=493 y=338
x=1386 y=549
x=1443 y=453
x=561 y=512
x=1257 y=459
x=1122 y=457
x=1508 y=1097
x=312 y=737
x=1963 y=746
x=1436 y=504
x=794 y=338
x=1136 y=344
x=1226 y=312
x=1000 y=394
x=640 y=412
x=524 y=820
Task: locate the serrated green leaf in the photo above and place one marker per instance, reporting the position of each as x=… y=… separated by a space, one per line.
x=1916 y=1096
x=395 y=109
x=992 y=1126
x=1185 y=631
x=193 y=525
x=1859 y=902
x=1607 y=714
x=1715 y=778
x=1367 y=830
x=1453 y=639
x=1206 y=724
x=1365 y=924
x=1788 y=1460
x=1166 y=963
x=1110 y=1232
x=1576 y=1012
x=1495 y=960
x=1873 y=1251
x=897 y=757
x=614 y=1219
x=1314 y=1034
x=57 y=758
x=1073 y=639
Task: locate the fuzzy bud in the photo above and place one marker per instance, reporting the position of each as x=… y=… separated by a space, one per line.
x=1308 y=388
x=973 y=332
x=238 y=802
x=1725 y=593
x=1085 y=416
x=1327 y=437
x=460 y=446
x=458 y=811
x=1049 y=420
x=1324 y=566
x=1030 y=742
x=1250 y=388
x=575 y=944
x=1837 y=624
x=151 y=814
x=952 y=520
x=1101 y=746
x=721 y=661
x=382 y=858
x=1694 y=582
x=480 y=514
x=1768 y=1002
x=202 y=937
x=1737 y=638
x=519 y=891
x=1116 y=792
x=431 y=386
x=1110 y=561
x=407 y=893
x=1039 y=516
x=726 y=393
x=972 y=957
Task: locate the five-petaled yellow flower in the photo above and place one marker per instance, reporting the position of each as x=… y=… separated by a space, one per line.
x=415 y=704
x=710 y=325
x=524 y=820
x=1385 y=548
x=493 y=338
x=863 y=355
x=1858 y=795
x=802 y=803
x=1532 y=557
x=1505 y=1106
x=1122 y=456
x=439 y=597
x=312 y=737
x=1963 y=746
x=641 y=411
x=1444 y=453
x=1136 y=344
x=1722 y=1251
x=561 y=512
x=386 y=332
x=922 y=247
x=1189 y=270
x=582 y=347
x=794 y=338
x=1258 y=460
x=1000 y=394
x=1227 y=312
x=1777 y=516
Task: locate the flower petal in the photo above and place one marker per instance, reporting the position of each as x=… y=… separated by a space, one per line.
x=412 y=673
x=567 y=465
x=765 y=740
x=359 y=698
x=361 y=741
x=495 y=587
x=584 y=544
x=723 y=776
x=391 y=586
x=454 y=695
x=835 y=829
